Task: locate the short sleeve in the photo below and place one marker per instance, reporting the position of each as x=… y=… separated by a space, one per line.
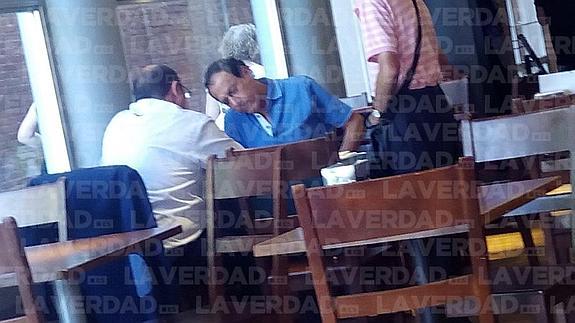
x=231 y=127
x=376 y=20
x=214 y=141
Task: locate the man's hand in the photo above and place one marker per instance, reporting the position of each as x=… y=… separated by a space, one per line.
x=354 y=130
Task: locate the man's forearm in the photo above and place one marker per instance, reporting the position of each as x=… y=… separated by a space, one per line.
x=387 y=77
x=354 y=130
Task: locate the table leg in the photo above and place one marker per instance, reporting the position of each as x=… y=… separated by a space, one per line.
x=69 y=302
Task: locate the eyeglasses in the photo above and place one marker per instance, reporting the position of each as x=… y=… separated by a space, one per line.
x=187 y=92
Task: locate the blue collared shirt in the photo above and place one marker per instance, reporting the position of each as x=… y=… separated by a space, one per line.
x=298 y=107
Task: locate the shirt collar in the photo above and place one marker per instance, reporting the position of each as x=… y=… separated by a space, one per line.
x=152 y=106
x=274 y=90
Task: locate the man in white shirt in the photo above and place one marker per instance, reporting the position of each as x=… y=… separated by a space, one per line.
x=169 y=146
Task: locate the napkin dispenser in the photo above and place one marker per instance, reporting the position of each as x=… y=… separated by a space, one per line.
x=354 y=168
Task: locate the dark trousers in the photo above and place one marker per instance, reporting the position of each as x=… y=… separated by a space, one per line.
x=428 y=265
x=188 y=263
x=418 y=132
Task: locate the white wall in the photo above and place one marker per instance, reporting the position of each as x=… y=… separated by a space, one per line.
x=350 y=47
x=270 y=39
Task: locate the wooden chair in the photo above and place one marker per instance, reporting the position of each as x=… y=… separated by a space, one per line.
x=239 y=177
x=524 y=135
x=525 y=106
x=13 y=262
x=38 y=205
x=299 y=161
x=344 y=215
x=259 y=172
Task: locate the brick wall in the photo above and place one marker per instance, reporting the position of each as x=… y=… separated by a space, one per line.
x=17 y=162
x=239 y=12
x=183 y=34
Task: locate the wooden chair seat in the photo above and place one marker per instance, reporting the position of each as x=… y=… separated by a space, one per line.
x=293 y=242
x=556 y=200
x=242 y=244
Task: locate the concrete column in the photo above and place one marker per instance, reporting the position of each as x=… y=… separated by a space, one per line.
x=270 y=40
x=311 y=43
x=91 y=71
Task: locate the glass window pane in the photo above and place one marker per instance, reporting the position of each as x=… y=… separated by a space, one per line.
x=18 y=162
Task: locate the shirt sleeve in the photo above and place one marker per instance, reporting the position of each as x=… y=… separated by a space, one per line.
x=214 y=141
x=335 y=112
x=377 y=27
x=231 y=127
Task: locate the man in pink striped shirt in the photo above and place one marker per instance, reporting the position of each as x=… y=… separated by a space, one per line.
x=390 y=33
x=417 y=130
x=389 y=29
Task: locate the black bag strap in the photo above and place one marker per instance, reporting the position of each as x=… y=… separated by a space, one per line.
x=417 y=53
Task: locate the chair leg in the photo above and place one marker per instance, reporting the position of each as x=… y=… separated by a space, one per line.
x=216 y=289
x=280 y=287
x=528 y=242
x=554 y=316
x=543 y=314
x=487 y=316
x=560 y=317
x=548 y=310
x=547 y=227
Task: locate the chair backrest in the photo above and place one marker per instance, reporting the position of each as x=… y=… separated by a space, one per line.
x=241 y=175
x=38 y=205
x=457 y=93
x=305 y=159
x=519 y=135
x=398 y=205
x=299 y=161
x=302 y=159
x=386 y=209
x=356 y=101
x=13 y=262
x=103 y=200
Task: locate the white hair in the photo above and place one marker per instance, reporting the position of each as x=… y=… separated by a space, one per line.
x=240 y=42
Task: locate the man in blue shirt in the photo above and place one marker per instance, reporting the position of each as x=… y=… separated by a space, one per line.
x=269 y=112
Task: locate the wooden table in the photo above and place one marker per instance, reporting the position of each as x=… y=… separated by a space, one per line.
x=495 y=201
x=61 y=262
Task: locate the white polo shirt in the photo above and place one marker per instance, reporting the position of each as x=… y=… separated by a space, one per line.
x=169 y=147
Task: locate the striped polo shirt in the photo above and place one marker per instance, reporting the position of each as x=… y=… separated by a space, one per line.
x=391 y=26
